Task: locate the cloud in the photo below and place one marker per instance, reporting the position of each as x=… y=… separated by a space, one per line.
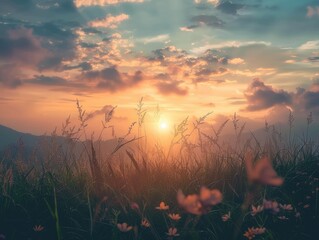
x=87 y=3
x=112 y=80
x=312 y=11
x=310 y=45
x=49 y=81
x=9 y=77
x=186 y=29
x=228 y=44
x=20 y=46
x=229 y=7
x=309 y=99
x=158 y=38
x=313 y=59
x=208 y=20
x=260 y=96
x=171 y=87
x=104 y=110
x=236 y=61
x=109 y=21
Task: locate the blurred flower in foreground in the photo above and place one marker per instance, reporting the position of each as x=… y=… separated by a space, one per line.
x=162 y=206
x=174 y=216
x=256 y=210
x=38 y=228
x=172 y=232
x=262 y=172
x=145 y=223
x=199 y=204
x=2 y=237
x=226 y=217
x=123 y=227
x=252 y=232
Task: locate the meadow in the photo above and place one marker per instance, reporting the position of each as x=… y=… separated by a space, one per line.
x=199 y=187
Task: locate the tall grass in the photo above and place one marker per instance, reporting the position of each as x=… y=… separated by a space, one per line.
x=77 y=191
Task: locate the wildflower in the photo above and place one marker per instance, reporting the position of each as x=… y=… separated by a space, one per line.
x=172 y=232
x=123 y=227
x=256 y=210
x=297 y=215
x=249 y=234
x=199 y=204
x=259 y=230
x=2 y=237
x=162 y=206
x=135 y=206
x=306 y=206
x=286 y=207
x=273 y=206
x=252 y=232
x=226 y=217
x=174 y=216
x=145 y=223
x=262 y=172
x=210 y=197
x=38 y=228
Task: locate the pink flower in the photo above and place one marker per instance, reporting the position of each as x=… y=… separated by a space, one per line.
x=262 y=172
x=172 y=232
x=174 y=216
x=38 y=228
x=226 y=217
x=252 y=232
x=256 y=210
x=123 y=227
x=135 y=206
x=273 y=206
x=145 y=223
x=286 y=207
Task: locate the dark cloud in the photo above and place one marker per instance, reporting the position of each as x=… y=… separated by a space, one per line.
x=104 y=110
x=163 y=54
x=313 y=59
x=229 y=7
x=308 y=98
x=209 y=71
x=20 y=46
x=60 y=41
x=260 y=96
x=84 y=66
x=209 y=20
x=50 y=81
x=8 y=76
x=171 y=87
x=112 y=80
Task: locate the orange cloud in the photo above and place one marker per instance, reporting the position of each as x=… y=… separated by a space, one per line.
x=109 y=21
x=85 y=3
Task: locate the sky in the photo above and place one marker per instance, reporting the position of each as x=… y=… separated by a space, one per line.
x=258 y=58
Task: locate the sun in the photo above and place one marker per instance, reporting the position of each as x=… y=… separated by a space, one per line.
x=163 y=125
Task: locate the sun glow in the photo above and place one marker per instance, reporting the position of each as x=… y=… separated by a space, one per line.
x=163 y=125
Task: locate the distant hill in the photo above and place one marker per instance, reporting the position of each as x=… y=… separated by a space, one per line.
x=10 y=141
x=9 y=137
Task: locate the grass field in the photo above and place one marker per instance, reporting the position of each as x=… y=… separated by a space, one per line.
x=200 y=187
